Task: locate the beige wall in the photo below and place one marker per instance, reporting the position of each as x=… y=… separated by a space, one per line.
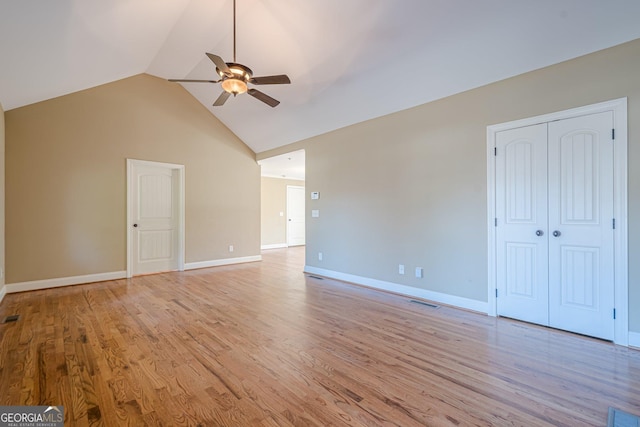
x=2 y=269
x=274 y=201
x=411 y=187
x=66 y=178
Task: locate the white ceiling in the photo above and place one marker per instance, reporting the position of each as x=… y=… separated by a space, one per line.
x=290 y=165
x=349 y=60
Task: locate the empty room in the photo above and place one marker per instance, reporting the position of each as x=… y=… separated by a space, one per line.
x=358 y=213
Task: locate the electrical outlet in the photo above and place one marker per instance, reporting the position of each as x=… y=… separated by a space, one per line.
x=419 y=272
x=400 y=268
x=230 y=248
x=319 y=256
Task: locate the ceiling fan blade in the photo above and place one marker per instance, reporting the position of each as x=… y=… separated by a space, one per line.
x=281 y=79
x=222 y=99
x=194 y=81
x=263 y=97
x=222 y=66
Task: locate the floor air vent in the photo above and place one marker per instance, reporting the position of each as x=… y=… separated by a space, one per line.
x=316 y=277
x=424 y=303
x=12 y=318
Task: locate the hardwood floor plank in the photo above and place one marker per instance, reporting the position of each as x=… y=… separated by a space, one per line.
x=261 y=344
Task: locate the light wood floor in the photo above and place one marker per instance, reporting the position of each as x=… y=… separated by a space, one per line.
x=261 y=344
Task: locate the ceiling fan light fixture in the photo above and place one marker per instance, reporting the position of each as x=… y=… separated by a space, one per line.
x=234 y=77
x=234 y=85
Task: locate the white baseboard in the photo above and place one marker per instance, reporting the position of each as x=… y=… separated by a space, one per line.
x=101 y=277
x=63 y=281
x=219 y=262
x=438 y=297
x=634 y=339
x=274 y=246
x=3 y=292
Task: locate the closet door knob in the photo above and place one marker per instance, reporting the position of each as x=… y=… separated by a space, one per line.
x=539 y=233
x=556 y=233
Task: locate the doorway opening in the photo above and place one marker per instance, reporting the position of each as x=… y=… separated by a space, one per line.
x=282 y=210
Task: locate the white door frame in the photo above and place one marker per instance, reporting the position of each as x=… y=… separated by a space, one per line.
x=130 y=232
x=621 y=268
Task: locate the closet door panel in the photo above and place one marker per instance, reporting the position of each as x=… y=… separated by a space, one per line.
x=581 y=286
x=522 y=238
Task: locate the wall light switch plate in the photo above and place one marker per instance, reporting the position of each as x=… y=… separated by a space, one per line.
x=419 y=272
x=315 y=213
x=319 y=256
x=400 y=268
x=315 y=195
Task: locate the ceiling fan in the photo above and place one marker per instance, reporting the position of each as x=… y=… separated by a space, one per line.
x=234 y=77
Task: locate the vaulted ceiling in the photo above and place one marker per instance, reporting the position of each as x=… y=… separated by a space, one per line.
x=349 y=60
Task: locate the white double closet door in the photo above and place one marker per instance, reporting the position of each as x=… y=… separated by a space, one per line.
x=555 y=230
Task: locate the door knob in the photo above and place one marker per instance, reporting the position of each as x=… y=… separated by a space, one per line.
x=539 y=233
x=556 y=233
x=135 y=225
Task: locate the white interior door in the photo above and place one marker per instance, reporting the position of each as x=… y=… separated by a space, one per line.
x=295 y=216
x=522 y=240
x=554 y=235
x=581 y=258
x=154 y=218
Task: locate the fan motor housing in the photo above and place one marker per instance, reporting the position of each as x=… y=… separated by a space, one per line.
x=239 y=71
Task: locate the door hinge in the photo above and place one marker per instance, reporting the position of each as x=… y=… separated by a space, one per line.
x=614 y=314
x=496 y=292
x=613 y=223
x=495 y=222
x=495 y=151
x=613 y=134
